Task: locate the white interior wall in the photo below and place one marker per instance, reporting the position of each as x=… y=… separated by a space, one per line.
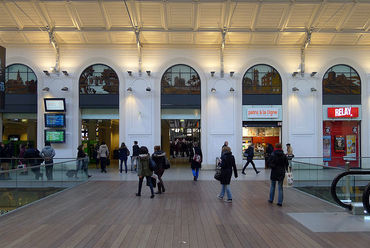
x=221 y=113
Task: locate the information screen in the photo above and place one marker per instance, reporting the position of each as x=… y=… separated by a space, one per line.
x=55 y=104
x=55 y=136
x=55 y=120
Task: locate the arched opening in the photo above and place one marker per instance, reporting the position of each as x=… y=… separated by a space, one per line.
x=180 y=112
x=262 y=110
x=99 y=104
x=342 y=116
x=20 y=113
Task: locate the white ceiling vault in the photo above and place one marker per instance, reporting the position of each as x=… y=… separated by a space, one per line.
x=197 y=22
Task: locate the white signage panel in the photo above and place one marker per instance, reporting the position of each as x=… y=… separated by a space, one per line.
x=263 y=113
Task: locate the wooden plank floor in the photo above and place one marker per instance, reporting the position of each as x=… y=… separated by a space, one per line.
x=108 y=214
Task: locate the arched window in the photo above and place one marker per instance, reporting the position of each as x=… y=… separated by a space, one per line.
x=20 y=79
x=341 y=80
x=262 y=79
x=99 y=79
x=180 y=80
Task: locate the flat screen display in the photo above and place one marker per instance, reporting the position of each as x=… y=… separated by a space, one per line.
x=55 y=120
x=55 y=136
x=55 y=105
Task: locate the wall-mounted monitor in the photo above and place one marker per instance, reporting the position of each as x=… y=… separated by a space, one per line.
x=55 y=136
x=55 y=120
x=55 y=104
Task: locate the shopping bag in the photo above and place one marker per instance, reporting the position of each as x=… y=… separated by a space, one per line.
x=288 y=180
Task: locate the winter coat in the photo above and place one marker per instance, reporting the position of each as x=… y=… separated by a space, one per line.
x=81 y=154
x=195 y=165
x=135 y=150
x=278 y=163
x=34 y=157
x=103 y=151
x=48 y=154
x=250 y=153
x=4 y=153
x=159 y=157
x=123 y=153
x=227 y=167
x=143 y=169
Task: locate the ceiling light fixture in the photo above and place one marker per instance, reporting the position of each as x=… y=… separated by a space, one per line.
x=213 y=90
x=46 y=89
x=129 y=73
x=232 y=74
x=313 y=73
x=148 y=89
x=294 y=89
x=47 y=73
x=232 y=89
x=148 y=72
x=64 y=89
x=212 y=73
x=129 y=89
x=313 y=89
x=294 y=74
x=65 y=73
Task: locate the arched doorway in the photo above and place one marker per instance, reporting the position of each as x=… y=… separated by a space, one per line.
x=180 y=112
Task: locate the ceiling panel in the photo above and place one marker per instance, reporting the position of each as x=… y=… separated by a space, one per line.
x=359 y=17
x=243 y=15
x=117 y=14
x=58 y=14
x=300 y=15
x=270 y=15
x=180 y=15
x=291 y=38
x=151 y=14
x=208 y=38
x=123 y=37
x=210 y=15
x=321 y=38
x=154 y=37
x=181 y=38
x=12 y=37
x=97 y=37
x=70 y=37
x=264 y=38
x=331 y=15
x=89 y=13
x=37 y=37
x=364 y=40
x=345 y=39
x=238 y=38
x=5 y=18
x=25 y=13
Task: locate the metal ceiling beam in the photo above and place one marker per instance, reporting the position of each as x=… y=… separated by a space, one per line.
x=165 y=15
x=196 y=20
x=286 y=17
x=72 y=12
x=346 y=17
x=255 y=16
x=107 y=22
x=42 y=13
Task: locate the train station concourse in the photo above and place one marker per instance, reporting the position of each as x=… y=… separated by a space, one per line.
x=280 y=89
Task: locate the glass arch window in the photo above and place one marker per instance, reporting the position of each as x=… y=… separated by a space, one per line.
x=180 y=80
x=20 y=79
x=99 y=79
x=341 y=80
x=262 y=79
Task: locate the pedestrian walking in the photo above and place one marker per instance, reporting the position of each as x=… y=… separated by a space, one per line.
x=135 y=155
x=196 y=160
x=249 y=153
x=143 y=170
x=103 y=155
x=159 y=157
x=123 y=154
x=48 y=153
x=227 y=167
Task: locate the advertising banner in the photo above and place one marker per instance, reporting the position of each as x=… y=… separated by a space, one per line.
x=343 y=112
x=263 y=113
x=351 y=145
x=2 y=77
x=327 y=148
x=339 y=143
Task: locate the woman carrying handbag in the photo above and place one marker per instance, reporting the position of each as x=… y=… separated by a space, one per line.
x=227 y=167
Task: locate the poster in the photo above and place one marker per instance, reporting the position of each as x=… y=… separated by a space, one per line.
x=351 y=145
x=339 y=143
x=327 y=148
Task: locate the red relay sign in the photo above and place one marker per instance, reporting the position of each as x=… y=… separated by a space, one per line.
x=343 y=112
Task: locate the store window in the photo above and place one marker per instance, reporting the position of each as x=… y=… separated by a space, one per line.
x=99 y=79
x=341 y=80
x=20 y=79
x=180 y=80
x=262 y=79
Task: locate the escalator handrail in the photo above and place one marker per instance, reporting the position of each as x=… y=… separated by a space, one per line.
x=333 y=189
x=365 y=198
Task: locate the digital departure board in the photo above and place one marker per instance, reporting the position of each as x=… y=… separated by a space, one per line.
x=55 y=120
x=55 y=136
x=55 y=104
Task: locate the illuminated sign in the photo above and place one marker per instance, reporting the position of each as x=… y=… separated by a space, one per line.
x=263 y=113
x=343 y=112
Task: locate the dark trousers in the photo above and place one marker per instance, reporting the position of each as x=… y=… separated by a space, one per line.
x=49 y=169
x=159 y=173
x=149 y=180
x=103 y=164
x=37 y=172
x=120 y=165
x=246 y=164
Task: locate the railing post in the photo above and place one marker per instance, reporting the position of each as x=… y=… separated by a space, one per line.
x=348 y=194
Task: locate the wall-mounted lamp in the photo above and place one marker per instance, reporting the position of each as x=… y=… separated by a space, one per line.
x=65 y=73
x=232 y=89
x=148 y=89
x=64 y=89
x=294 y=89
x=212 y=73
x=47 y=73
x=294 y=74
x=46 y=89
x=232 y=74
x=213 y=90
x=129 y=89
x=148 y=72
x=313 y=73
x=313 y=89
x=129 y=73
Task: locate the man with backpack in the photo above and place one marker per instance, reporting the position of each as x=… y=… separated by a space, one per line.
x=249 y=153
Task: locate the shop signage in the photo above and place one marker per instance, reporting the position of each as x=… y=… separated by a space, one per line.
x=263 y=113
x=343 y=112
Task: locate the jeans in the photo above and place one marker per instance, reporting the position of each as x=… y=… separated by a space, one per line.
x=149 y=180
x=120 y=165
x=103 y=164
x=280 y=189
x=195 y=172
x=226 y=187
x=246 y=164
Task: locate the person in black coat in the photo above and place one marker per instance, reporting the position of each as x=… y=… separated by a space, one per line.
x=278 y=163
x=227 y=167
x=159 y=157
x=196 y=158
x=249 y=153
x=123 y=154
x=34 y=160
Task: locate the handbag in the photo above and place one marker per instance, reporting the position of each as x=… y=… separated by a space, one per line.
x=288 y=178
x=196 y=157
x=218 y=175
x=154 y=182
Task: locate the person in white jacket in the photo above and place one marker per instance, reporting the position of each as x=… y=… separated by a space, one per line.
x=103 y=155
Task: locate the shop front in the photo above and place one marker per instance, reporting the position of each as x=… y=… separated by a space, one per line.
x=261 y=127
x=342 y=135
